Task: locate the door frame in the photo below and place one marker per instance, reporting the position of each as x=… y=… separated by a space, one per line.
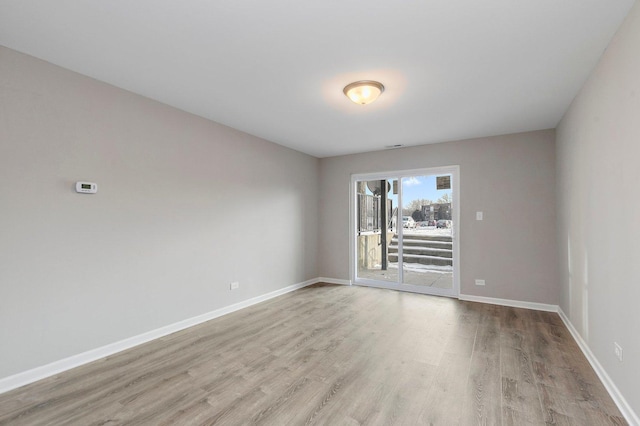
x=454 y=171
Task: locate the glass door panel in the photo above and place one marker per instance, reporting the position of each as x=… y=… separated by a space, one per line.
x=375 y=229
x=427 y=239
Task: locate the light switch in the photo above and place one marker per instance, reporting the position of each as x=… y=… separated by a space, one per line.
x=479 y=216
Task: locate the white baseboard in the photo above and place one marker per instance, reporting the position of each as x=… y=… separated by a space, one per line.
x=333 y=281
x=509 y=302
x=42 y=372
x=624 y=407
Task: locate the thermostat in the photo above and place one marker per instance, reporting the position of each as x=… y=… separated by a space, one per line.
x=86 y=187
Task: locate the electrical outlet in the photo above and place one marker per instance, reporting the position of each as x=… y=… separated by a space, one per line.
x=617 y=349
x=234 y=285
x=479 y=282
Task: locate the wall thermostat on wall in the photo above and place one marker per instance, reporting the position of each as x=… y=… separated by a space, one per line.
x=86 y=187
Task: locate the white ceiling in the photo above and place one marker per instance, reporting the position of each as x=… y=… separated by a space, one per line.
x=452 y=69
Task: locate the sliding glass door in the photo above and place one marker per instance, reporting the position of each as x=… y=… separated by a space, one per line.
x=404 y=230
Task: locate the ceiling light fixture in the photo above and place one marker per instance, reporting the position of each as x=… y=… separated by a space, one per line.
x=363 y=92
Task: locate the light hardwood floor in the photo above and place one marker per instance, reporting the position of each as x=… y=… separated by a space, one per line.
x=336 y=355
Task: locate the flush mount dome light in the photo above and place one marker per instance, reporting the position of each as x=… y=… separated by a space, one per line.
x=363 y=92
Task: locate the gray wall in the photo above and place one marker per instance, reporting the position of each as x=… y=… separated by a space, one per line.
x=598 y=148
x=184 y=207
x=510 y=178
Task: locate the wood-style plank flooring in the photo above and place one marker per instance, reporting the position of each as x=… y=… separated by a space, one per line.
x=336 y=355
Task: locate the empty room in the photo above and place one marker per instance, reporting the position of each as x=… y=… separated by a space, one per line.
x=331 y=213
